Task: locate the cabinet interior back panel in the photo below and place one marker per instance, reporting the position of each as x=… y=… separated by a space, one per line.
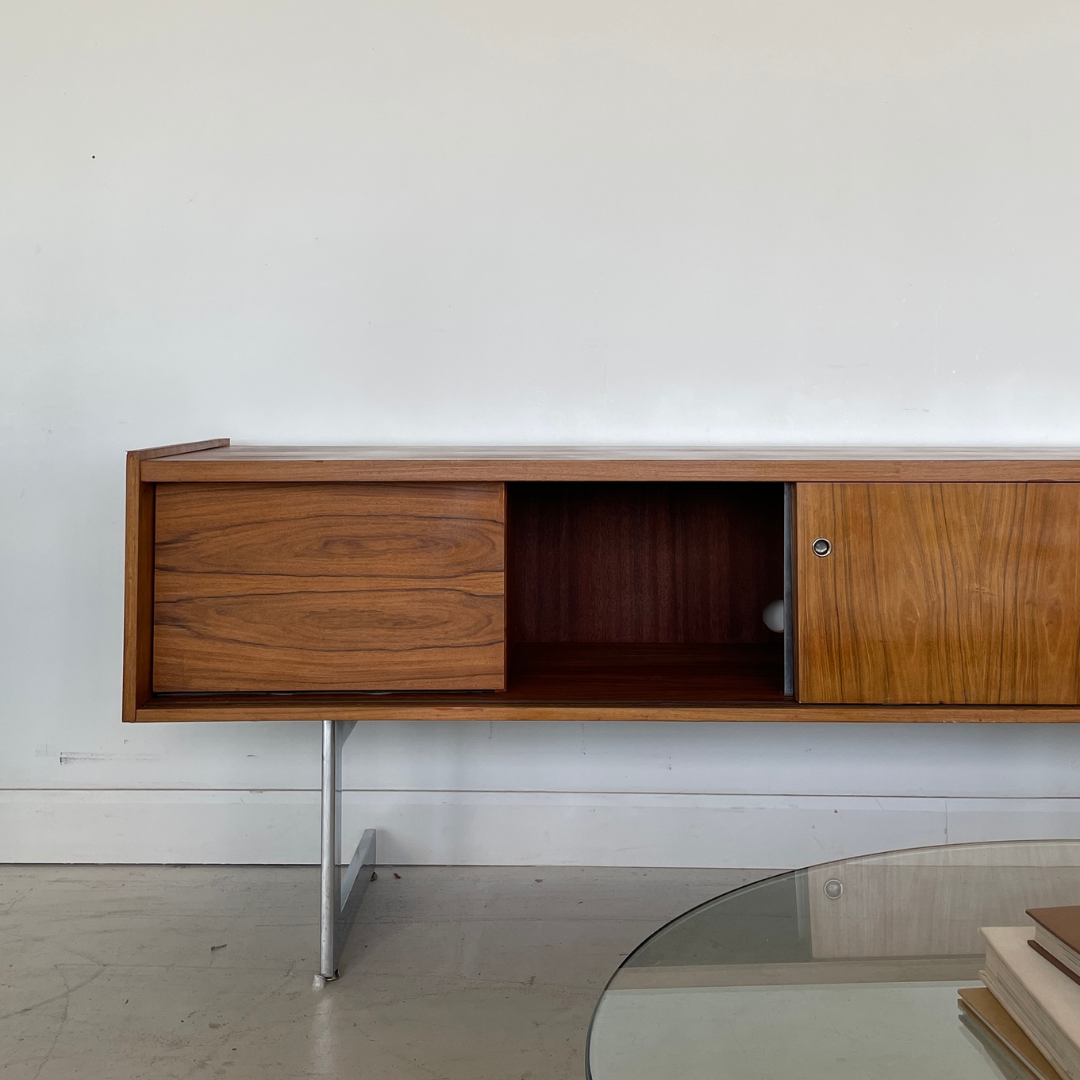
x=328 y=586
x=686 y=563
x=939 y=593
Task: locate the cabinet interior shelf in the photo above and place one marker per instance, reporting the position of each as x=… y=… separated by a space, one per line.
x=544 y=673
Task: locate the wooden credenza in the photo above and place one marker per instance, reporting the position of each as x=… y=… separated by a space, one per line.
x=371 y=583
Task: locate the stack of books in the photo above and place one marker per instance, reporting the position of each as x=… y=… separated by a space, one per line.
x=1031 y=1004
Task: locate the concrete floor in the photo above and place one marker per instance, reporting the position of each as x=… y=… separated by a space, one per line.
x=111 y=973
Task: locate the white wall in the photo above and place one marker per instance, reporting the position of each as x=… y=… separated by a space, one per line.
x=477 y=221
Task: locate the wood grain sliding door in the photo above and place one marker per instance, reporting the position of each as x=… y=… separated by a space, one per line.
x=328 y=586
x=939 y=593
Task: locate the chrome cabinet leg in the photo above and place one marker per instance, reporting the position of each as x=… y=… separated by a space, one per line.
x=339 y=893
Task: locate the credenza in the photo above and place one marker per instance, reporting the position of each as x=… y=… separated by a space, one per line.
x=340 y=584
x=330 y=583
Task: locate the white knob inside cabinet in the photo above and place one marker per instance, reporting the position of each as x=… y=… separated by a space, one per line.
x=773 y=616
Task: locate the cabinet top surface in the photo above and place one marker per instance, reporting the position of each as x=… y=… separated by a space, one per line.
x=237 y=453
x=224 y=463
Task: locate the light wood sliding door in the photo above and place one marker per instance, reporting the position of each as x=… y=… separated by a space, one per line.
x=328 y=586
x=938 y=593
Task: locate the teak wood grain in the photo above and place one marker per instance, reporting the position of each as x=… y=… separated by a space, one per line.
x=644 y=563
x=940 y=593
x=623 y=673
x=487 y=706
x=229 y=611
x=314 y=464
x=139 y=573
x=328 y=587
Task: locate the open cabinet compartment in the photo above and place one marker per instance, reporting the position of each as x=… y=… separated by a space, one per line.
x=644 y=591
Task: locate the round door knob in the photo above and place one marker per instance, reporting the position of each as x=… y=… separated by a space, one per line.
x=822 y=547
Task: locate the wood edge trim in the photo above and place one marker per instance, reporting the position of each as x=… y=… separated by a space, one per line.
x=130 y=702
x=178 y=448
x=503 y=510
x=151 y=452
x=160 y=712
x=796 y=588
x=451 y=470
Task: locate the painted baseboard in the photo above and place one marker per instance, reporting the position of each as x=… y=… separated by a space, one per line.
x=506 y=828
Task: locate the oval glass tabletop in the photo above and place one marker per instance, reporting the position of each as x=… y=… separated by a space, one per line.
x=843 y=971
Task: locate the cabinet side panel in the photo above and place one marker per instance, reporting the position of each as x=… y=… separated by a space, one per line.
x=940 y=593
x=279 y=587
x=138 y=590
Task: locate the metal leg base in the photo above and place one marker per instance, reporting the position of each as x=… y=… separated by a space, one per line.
x=341 y=888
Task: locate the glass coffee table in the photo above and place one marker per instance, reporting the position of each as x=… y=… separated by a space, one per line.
x=843 y=971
